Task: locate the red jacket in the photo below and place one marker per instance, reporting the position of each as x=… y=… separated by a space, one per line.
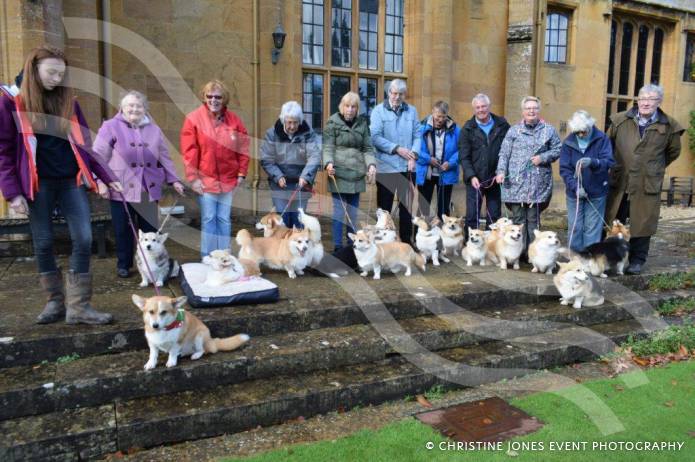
x=214 y=152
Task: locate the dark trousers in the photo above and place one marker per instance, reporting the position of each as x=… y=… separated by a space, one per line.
x=639 y=246
x=425 y=193
x=474 y=201
x=281 y=197
x=74 y=207
x=388 y=184
x=528 y=215
x=142 y=215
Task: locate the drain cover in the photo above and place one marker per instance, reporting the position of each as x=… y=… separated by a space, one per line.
x=489 y=420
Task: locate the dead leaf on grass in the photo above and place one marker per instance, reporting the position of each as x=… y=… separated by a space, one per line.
x=422 y=401
x=668 y=404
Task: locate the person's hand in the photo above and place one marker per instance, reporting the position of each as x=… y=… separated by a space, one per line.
x=371 y=174
x=584 y=162
x=103 y=190
x=411 y=165
x=116 y=186
x=581 y=193
x=282 y=182
x=179 y=188
x=197 y=186
x=405 y=153
x=444 y=167
x=475 y=182
x=499 y=179
x=19 y=205
x=330 y=169
x=536 y=160
x=302 y=183
x=434 y=162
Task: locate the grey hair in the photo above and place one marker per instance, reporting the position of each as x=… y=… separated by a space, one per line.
x=581 y=121
x=398 y=85
x=481 y=97
x=441 y=106
x=526 y=99
x=293 y=110
x=138 y=95
x=652 y=88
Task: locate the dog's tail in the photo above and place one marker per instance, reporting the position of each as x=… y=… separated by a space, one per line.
x=226 y=344
x=243 y=237
x=419 y=260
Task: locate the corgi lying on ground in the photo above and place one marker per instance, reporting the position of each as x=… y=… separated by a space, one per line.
x=576 y=286
x=171 y=329
x=505 y=244
x=156 y=258
x=225 y=268
x=429 y=239
x=544 y=251
x=475 y=249
x=393 y=256
x=452 y=235
x=273 y=226
x=292 y=253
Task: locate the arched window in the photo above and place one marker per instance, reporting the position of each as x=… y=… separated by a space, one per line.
x=556 y=37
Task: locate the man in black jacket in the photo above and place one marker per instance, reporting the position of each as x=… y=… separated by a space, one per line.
x=479 y=148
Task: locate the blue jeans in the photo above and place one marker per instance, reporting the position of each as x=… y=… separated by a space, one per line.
x=588 y=223
x=74 y=206
x=215 y=222
x=352 y=203
x=282 y=197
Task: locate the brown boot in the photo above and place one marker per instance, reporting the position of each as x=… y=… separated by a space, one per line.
x=54 y=311
x=79 y=296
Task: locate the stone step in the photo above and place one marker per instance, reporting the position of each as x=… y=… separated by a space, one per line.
x=337 y=303
x=92 y=381
x=194 y=414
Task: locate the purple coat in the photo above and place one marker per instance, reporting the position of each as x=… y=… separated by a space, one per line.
x=138 y=156
x=15 y=169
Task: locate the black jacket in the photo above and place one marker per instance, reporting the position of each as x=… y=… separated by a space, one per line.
x=479 y=153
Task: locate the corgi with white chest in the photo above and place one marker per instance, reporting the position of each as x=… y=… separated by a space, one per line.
x=313 y=225
x=576 y=286
x=428 y=239
x=452 y=235
x=225 y=268
x=152 y=259
x=543 y=251
x=394 y=256
x=171 y=329
x=292 y=253
x=475 y=249
x=505 y=245
x=273 y=226
x=385 y=228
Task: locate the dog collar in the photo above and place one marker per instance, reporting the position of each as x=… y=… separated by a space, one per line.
x=178 y=322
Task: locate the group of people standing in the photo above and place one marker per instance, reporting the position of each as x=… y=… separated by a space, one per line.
x=47 y=160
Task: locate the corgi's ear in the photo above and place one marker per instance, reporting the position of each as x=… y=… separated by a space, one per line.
x=179 y=301
x=353 y=237
x=140 y=233
x=363 y=224
x=445 y=216
x=470 y=230
x=139 y=301
x=521 y=226
x=163 y=237
x=273 y=209
x=536 y=232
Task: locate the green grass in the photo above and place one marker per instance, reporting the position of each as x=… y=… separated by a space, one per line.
x=685 y=305
x=672 y=281
x=663 y=342
x=68 y=358
x=661 y=409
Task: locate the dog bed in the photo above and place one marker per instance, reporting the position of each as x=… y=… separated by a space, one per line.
x=243 y=292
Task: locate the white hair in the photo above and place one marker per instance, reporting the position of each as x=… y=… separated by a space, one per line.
x=398 y=85
x=581 y=121
x=526 y=99
x=652 y=88
x=481 y=97
x=293 y=110
x=138 y=95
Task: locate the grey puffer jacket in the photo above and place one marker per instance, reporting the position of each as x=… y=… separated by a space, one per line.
x=523 y=181
x=292 y=159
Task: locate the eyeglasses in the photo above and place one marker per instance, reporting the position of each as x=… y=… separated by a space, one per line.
x=529 y=109
x=650 y=100
x=217 y=97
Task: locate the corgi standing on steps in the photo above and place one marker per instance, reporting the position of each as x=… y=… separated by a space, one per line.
x=171 y=329
x=394 y=256
x=152 y=259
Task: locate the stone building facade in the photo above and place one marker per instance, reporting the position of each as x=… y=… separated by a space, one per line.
x=588 y=54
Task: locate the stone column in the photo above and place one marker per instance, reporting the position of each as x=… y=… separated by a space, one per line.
x=521 y=55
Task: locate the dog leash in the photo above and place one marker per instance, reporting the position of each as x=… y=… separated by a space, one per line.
x=342 y=202
x=294 y=193
x=580 y=184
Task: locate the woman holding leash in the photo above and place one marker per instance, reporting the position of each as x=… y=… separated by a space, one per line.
x=46 y=161
x=348 y=157
x=215 y=149
x=135 y=150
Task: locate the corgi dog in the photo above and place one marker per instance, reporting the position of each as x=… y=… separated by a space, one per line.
x=475 y=249
x=452 y=235
x=225 y=268
x=393 y=256
x=312 y=225
x=171 y=329
x=544 y=251
x=498 y=225
x=385 y=228
x=152 y=254
x=577 y=287
x=272 y=225
x=292 y=253
x=599 y=257
x=429 y=239
x=505 y=245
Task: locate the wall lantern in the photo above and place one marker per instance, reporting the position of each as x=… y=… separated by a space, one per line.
x=278 y=42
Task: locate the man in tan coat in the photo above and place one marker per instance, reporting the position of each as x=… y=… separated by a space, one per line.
x=646 y=141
